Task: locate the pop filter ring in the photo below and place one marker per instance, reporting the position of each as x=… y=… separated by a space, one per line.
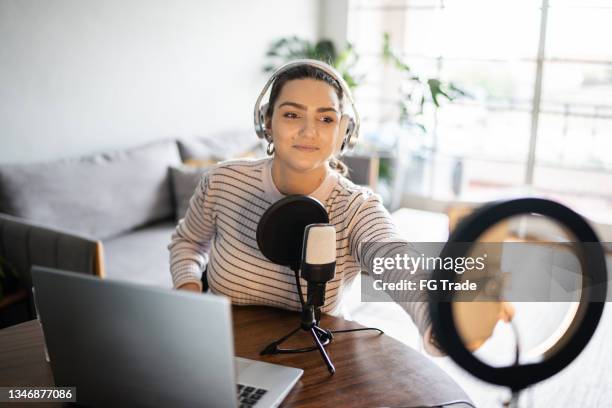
x=266 y=228
x=590 y=310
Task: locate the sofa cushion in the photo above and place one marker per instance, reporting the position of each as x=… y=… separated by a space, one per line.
x=98 y=196
x=184 y=180
x=141 y=256
x=222 y=146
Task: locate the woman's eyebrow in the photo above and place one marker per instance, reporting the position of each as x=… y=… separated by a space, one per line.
x=327 y=110
x=302 y=107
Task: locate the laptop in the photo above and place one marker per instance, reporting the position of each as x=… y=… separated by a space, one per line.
x=123 y=344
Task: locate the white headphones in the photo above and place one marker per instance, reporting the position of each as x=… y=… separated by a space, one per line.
x=349 y=126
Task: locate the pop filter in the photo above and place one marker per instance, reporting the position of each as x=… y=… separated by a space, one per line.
x=280 y=232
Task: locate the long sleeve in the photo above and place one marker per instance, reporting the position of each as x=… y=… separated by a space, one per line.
x=371 y=225
x=192 y=238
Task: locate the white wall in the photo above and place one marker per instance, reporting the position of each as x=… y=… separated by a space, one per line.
x=84 y=76
x=333 y=21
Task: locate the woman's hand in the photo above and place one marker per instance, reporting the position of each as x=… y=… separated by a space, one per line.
x=506 y=314
x=190 y=286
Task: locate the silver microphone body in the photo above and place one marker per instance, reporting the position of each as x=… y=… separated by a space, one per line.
x=318 y=261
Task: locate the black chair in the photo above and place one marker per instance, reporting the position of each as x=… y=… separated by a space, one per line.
x=23 y=244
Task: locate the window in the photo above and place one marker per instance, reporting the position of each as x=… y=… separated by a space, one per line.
x=539 y=73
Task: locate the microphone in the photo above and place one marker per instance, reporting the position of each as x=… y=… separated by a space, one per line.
x=295 y=232
x=318 y=261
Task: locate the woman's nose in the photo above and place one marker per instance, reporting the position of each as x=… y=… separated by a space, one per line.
x=309 y=128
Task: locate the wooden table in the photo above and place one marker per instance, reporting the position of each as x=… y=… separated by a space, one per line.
x=371 y=369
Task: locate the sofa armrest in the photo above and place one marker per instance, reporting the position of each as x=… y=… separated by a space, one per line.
x=24 y=243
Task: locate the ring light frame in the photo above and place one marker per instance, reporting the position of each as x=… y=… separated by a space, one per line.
x=584 y=323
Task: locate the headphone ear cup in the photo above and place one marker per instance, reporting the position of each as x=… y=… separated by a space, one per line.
x=342 y=129
x=262 y=131
x=347 y=126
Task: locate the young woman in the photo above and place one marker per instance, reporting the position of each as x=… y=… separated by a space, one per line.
x=219 y=229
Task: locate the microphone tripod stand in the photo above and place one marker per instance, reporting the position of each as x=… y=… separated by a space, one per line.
x=309 y=321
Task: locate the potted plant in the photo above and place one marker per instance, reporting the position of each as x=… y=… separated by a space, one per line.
x=415 y=92
x=291 y=48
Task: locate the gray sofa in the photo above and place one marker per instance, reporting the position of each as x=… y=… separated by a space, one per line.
x=110 y=214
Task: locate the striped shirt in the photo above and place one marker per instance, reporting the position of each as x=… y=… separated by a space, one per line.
x=219 y=232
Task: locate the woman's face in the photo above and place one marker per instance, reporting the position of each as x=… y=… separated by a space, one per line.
x=305 y=124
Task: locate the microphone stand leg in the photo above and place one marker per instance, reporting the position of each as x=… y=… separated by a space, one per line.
x=325 y=336
x=272 y=348
x=328 y=362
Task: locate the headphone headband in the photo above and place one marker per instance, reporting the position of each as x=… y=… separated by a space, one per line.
x=353 y=123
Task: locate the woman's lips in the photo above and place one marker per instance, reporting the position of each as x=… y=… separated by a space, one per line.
x=306 y=148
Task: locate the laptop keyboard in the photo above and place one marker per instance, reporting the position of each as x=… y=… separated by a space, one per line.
x=249 y=396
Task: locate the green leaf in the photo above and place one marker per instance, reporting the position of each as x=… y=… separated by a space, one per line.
x=390 y=56
x=350 y=81
x=387 y=53
x=291 y=48
x=458 y=91
x=435 y=88
x=326 y=51
x=421 y=103
x=343 y=58
x=279 y=43
x=420 y=126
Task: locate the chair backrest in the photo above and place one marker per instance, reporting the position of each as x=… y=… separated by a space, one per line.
x=23 y=244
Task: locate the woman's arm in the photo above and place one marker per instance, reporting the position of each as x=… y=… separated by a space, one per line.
x=192 y=239
x=370 y=222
